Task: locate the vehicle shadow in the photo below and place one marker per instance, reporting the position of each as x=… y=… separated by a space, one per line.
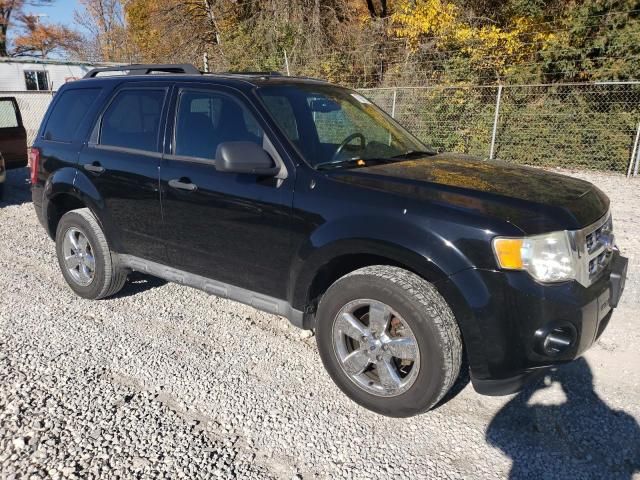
x=137 y=283
x=16 y=188
x=582 y=437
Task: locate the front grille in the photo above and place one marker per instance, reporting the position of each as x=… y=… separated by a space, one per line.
x=595 y=239
x=594 y=245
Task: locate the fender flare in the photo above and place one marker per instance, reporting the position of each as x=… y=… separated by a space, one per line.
x=70 y=182
x=57 y=184
x=414 y=247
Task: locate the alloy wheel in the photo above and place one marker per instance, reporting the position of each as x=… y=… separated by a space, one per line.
x=376 y=348
x=79 y=258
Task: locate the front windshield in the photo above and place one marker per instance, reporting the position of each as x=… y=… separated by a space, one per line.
x=334 y=127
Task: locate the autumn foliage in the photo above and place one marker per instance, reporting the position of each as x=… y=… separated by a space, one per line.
x=40 y=39
x=374 y=42
x=359 y=42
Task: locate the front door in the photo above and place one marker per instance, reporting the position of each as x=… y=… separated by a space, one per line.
x=229 y=227
x=122 y=162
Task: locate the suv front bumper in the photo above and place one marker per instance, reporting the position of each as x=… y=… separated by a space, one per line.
x=506 y=319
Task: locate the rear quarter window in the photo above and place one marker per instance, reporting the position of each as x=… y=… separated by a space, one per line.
x=68 y=113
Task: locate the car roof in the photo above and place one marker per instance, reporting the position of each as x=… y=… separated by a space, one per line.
x=189 y=73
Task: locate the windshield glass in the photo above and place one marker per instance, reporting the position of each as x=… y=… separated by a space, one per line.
x=333 y=126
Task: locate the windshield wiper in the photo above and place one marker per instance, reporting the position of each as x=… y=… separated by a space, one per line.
x=350 y=162
x=413 y=154
x=337 y=163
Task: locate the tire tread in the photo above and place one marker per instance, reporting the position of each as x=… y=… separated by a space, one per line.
x=114 y=277
x=437 y=309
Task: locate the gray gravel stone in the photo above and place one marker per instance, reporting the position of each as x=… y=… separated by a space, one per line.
x=164 y=381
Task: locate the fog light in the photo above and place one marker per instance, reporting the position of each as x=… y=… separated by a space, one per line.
x=556 y=338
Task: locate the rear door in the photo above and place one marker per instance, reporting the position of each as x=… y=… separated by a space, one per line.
x=234 y=228
x=121 y=163
x=13 y=136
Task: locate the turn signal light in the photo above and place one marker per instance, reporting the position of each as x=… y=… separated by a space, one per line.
x=508 y=252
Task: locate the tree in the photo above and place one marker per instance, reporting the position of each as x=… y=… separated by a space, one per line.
x=9 y=11
x=376 y=11
x=373 y=42
x=40 y=39
x=596 y=40
x=107 y=37
x=462 y=45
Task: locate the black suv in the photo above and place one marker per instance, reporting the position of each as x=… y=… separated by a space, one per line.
x=304 y=199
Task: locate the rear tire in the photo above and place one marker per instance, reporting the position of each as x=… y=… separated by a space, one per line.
x=395 y=307
x=84 y=256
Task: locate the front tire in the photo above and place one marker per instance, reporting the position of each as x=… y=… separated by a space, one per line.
x=85 y=258
x=389 y=340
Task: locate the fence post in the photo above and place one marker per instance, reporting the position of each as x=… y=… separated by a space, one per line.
x=495 y=123
x=634 y=151
x=635 y=170
x=393 y=104
x=205 y=62
x=286 y=63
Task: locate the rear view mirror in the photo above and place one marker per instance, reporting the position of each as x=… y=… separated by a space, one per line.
x=323 y=105
x=244 y=157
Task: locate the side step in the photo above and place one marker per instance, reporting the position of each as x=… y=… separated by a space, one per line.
x=256 y=300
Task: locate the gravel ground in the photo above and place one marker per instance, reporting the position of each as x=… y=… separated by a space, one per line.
x=165 y=381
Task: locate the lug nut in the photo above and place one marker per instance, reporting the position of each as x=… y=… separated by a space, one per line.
x=379 y=358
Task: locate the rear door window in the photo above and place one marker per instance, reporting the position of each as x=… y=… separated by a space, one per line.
x=132 y=120
x=8 y=117
x=68 y=113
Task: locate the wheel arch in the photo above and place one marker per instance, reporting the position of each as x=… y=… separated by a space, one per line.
x=57 y=206
x=335 y=261
x=326 y=265
x=66 y=191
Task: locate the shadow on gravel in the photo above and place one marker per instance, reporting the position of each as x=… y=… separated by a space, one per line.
x=580 y=438
x=16 y=188
x=138 y=283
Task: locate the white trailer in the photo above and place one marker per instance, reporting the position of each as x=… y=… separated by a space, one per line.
x=36 y=74
x=33 y=81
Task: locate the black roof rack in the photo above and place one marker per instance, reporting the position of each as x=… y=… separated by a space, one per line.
x=270 y=74
x=141 y=69
x=254 y=74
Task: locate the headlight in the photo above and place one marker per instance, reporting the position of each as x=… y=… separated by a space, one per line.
x=547 y=258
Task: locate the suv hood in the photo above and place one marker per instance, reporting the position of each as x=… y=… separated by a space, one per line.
x=534 y=200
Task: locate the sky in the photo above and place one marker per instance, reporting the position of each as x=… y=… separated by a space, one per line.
x=60 y=11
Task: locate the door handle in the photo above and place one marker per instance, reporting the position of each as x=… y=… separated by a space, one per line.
x=94 y=167
x=183 y=184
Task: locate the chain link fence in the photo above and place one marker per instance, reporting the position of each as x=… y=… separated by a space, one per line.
x=33 y=106
x=578 y=126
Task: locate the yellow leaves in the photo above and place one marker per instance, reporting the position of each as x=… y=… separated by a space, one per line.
x=416 y=19
x=152 y=41
x=444 y=26
x=499 y=49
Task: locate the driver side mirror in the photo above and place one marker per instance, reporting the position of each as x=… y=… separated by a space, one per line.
x=244 y=157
